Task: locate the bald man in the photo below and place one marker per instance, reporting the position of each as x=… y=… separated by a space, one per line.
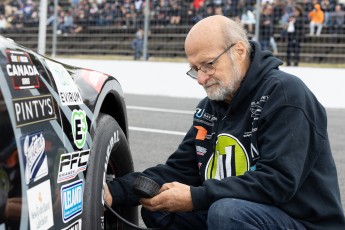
x=257 y=155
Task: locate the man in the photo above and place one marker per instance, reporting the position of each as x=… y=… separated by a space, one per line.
x=257 y=155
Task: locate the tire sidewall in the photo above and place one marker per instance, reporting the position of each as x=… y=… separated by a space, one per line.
x=110 y=146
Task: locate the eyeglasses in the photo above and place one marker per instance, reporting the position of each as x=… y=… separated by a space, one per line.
x=207 y=68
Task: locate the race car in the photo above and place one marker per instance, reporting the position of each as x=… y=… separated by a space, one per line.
x=63 y=133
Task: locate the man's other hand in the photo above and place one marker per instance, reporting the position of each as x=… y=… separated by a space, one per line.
x=107 y=195
x=172 y=197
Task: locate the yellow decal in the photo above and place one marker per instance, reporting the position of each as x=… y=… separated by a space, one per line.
x=230 y=159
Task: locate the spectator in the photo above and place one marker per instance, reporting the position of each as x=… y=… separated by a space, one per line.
x=209 y=10
x=218 y=10
x=17 y=21
x=326 y=7
x=316 y=17
x=337 y=20
x=174 y=13
x=198 y=4
x=129 y=12
x=161 y=14
x=67 y=23
x=266 y=27
x=3 y=23
x=248 y=20
x=295 y=34
x=138 y=44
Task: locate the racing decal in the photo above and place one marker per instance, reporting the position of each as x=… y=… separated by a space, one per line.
x=255 y=113
x=19 y=66
x=201 y=134
x=79 y=127
x=75 y=226
x=32 y=110
x=204 y=117
x=94 y=78
x=35 y=158
x=200 y=150
x=230 y=159
x=72 y=200
x=71 y=164
x=40 y=206
x=68 y=90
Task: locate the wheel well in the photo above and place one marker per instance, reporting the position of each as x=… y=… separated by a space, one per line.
x=116 y=108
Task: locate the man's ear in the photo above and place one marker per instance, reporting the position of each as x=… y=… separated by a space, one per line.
x=240 y=50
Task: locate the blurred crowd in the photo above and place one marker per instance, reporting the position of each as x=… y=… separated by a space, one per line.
x=76 y=15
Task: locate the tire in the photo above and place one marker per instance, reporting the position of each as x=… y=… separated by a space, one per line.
x=109 y=157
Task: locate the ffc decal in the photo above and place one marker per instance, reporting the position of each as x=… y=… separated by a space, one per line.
x=32 y=110
x=79 y=127
x=71 y=164
x=75 y=226
x=68 y=90
x=36 y=165
x=19 y=66
x=72 y=200
x=40 y=206
x=230 y=159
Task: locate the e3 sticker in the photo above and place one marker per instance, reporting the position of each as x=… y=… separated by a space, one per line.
x=79 y=127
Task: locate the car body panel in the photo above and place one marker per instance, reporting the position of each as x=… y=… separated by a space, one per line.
x=48 y=113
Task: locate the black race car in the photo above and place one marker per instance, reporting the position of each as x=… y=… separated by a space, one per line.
x=63 y=132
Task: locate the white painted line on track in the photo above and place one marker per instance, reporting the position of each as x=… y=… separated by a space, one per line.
x=159 y=110
x=156 y=131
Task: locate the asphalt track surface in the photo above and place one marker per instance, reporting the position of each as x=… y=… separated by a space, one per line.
x=157 y=125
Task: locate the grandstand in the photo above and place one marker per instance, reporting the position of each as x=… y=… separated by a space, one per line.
x=111 y=30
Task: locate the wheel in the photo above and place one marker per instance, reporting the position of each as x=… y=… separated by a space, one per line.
x=110 y=157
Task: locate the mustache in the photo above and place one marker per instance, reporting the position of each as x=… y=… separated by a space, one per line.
x=211 y=82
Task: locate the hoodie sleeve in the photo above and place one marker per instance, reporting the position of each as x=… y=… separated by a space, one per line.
x=181 y=166
x=285 y=162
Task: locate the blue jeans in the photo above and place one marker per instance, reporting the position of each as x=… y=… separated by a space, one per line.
x=227 y=214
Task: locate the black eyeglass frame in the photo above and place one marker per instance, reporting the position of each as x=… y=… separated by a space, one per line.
x=193 y=73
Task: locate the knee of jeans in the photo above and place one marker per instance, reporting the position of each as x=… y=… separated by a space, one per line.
x=223 y=207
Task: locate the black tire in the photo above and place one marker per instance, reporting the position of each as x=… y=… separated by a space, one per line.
x=115 y=162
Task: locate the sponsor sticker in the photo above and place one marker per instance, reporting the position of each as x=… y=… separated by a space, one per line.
x=71 y=164
x=40 y=206
x=35 y=158
x=79 y=127
x=32 y=110
x=21 y=69
x=94 y=78
x=75 y=226
x=68 y=91
x=72 y=200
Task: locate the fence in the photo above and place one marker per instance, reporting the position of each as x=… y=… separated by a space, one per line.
x=109 y=27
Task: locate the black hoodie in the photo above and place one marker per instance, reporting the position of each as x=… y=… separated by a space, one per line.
x=269 y=145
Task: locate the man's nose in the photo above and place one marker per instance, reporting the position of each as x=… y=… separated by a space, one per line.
x=202 y=77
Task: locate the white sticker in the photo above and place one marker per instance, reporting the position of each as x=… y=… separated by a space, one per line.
x=68 y=91
x=40 y=206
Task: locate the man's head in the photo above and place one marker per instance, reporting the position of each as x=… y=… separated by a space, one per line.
x=208 y=39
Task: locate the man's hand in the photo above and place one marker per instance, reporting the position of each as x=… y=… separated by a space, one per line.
x=107 y=195
x=172 y=197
